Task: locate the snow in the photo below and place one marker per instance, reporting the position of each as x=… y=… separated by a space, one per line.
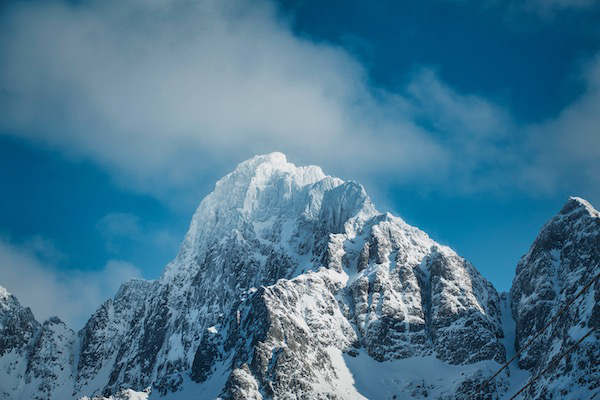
x=410 y=378
x=12 y=369
x=98 y=381
x=517 y=376
x=208 y=390
x=176 y=351
x=255 y=190
x=586 y=205
x=126 y=394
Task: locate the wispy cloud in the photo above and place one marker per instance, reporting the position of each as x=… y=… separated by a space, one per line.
x=567 y=148
x=48 y=290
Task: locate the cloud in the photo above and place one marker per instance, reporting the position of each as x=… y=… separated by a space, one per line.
x=71 y=295
x=477 y=133
x=469 y=116
x=158 y=91
x=124 y=230
x=167 y=93
x=566 y=149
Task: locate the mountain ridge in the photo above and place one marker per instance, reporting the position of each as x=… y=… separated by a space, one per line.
x=285 y=278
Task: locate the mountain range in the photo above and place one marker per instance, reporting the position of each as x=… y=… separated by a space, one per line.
x=290 y=284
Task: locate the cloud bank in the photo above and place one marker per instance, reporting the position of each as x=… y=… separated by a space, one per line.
x=165 y=92
x=158 y=89
x=38 y=283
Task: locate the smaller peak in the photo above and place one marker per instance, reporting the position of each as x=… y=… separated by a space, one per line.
x=577 y=204
x=4 y=294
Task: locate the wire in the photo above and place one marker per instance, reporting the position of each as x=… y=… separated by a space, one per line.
x=530 y=342
x=552 y=362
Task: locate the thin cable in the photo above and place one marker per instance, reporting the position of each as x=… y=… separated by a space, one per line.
x=530 y=342
x=551 y=364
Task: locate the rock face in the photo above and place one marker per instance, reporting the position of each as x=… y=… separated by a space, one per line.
x=287 y=284
x=562 y=260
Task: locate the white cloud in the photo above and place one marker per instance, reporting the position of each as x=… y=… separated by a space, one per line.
x=159 y=91
x=477 y=133
x=467 y=116
x=71 y=295
x=169 y=92
x=565 y=150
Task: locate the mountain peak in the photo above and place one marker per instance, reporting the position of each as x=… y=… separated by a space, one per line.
x=578 y=205
x=259 y=190
x=260 y=169
x=262 y=183
x=275 y=158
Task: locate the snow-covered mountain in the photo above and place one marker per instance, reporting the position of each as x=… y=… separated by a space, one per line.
x=562 y=260
x=290 y=284
x=36 y=360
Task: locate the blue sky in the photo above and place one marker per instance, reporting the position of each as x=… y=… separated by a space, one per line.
x=472 y=120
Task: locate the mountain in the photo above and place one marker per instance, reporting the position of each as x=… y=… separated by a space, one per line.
x=35 y=359
x=563 y=259
x=289 y=284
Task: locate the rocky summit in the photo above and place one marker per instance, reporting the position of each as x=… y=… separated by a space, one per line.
x=290 y=284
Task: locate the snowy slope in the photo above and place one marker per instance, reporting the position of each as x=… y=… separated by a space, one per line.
x=517 y=377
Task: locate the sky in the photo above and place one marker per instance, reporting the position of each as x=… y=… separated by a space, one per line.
x=473 y=120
